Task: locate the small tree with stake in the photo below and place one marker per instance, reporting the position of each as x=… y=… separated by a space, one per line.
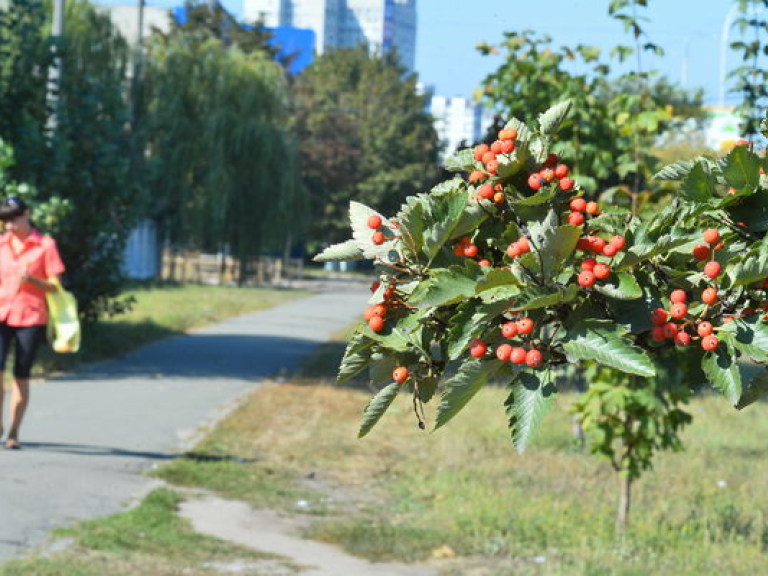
x=507 y=272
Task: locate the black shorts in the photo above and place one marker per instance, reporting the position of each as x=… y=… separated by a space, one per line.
x=28 y=340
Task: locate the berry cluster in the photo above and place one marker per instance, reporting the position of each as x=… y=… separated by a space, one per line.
x=522 y=327
x=375 y=224
x=676 y=323
x=592 y=269
x=488 y=155
x=376 y=315
x=550 y=171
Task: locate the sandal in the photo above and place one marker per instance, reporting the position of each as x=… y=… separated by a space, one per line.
x=12 y=444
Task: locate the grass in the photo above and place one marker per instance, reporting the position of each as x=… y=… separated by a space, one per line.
x=400 y=494
x=149 y=539
x=161 y=311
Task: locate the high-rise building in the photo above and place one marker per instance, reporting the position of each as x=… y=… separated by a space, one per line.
x=382 y=24
x=459 y=122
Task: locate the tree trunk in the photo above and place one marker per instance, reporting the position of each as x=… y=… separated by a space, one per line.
x=625 y=500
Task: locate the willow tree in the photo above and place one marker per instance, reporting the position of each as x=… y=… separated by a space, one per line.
x=225 y=174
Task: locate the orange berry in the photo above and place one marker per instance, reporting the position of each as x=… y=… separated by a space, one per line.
x=659 y=316
x=704 y=329
x=507 y=146
x=588 y=264
x=682 y=339
x=499 y=197
x=592 y=208
x=509 y=329
x=586 y=278
x=485 y=191
x=670 y=330
x=400 y=374
x=578 y=205
x=710 y=343
x=492 y=167
x=478 y=348
x=701 y=252
x=535 y=181
x=374 y=221
x=470 y=251
x=678 y=296
x=712 y=269
x=525 y=326
x=480 y=150
x=477 y=176
x=378 y=238
x=561 y=171
x=533 y=358
x=376 y=323
x=678 y=311
x=711 y=236
x=503 y=352
x=618 y=242
x=517 y=356
x=601 y=271
x=488 y=157
x=576 y=218
x=566 y=184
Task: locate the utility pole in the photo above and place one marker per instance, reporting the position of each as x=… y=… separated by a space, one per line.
x=55 y=72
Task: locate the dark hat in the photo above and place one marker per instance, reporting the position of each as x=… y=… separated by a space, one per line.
x=12 y=207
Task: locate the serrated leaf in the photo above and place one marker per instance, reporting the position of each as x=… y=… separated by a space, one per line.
x=470 y=322
x=723 y=373
x=531 y=398
x=742 y=168
x=461 y=161
x=445 y=286
x=343 y=252
x=698 y=186
x=750 y=336
x=376 y=407
x=380 y=368
x=362 y=234
x=604 y=342
x=552 y=246
x=551 y=120
x=752 y=268
x=756 y=388
x=649 y=248
x=461 y=387
x=621 y=286
x=356 y=357
x=752 y=212
x=535 y=298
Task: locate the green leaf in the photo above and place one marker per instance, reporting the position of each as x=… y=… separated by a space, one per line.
x=461 y=161
x=470 y=322
x=536 y=298
x=552 y=246
x=604 y=342
x=532 y=396
x=722 y=371
x=376 y=407
x=362 y=234
x=343 y=252
x=621 y=286
x=750 y=336
x=551 y=120
x=461 y=388
x=356 y=357
x=445 y=286
x=698 y=186
x=742 y=168
x=756 y=388
x=752 y=268
x=753 y=212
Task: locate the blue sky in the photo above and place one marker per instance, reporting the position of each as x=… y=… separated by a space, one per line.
x=690 y=31
x=448 y=31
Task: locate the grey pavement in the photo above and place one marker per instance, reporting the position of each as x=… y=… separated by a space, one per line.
x=90 y=436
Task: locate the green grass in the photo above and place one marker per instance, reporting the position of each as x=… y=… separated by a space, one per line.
x=160 y=311
x=148 y=539
x=400 y=494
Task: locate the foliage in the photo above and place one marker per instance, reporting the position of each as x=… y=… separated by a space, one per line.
x=225 y=177
x=72 y=147
x=362 y=134
x=750 y=77
x=614 y=122
x=515 y=244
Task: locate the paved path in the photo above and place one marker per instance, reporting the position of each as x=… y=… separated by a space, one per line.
x=89 y=436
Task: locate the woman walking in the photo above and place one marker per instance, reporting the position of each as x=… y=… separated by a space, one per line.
x=29 y=262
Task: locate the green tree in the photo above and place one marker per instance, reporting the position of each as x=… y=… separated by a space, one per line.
x=363 y=135
x=224 y=161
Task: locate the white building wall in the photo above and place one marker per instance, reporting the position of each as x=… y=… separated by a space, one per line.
x=458 y=121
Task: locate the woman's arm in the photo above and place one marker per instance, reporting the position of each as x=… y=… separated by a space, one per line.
x=44 y=285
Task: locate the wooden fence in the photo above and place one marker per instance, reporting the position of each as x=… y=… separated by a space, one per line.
x=219 y=269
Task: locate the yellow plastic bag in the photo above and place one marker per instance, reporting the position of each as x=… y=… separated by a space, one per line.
x=63 y=324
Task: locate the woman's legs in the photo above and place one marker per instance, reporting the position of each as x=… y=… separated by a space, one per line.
x=28 y=340
x=6 y=336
